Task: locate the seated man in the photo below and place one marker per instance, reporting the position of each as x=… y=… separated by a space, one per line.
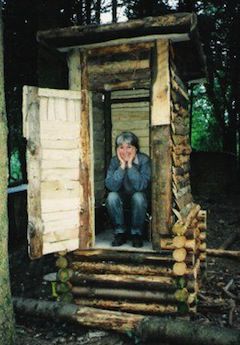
x=128 y=179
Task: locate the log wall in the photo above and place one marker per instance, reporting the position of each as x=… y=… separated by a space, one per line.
x=187 y=240
x=130 y=112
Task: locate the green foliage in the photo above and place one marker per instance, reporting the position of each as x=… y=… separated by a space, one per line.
x=206 y=134
x=15 y=168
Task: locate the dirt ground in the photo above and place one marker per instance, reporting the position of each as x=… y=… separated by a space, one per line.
x=215 y=306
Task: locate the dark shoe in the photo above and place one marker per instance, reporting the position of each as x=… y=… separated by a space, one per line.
x=119 y=239
x=137 y=241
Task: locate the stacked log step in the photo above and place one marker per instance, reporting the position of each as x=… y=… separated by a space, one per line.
x=136 y=282
x=188 y=247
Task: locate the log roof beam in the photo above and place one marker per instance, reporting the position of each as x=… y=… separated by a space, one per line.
x=179 y=28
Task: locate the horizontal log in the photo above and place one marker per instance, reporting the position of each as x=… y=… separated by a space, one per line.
x=202 y=215
x=129 y=94
x=177 y=97
x=180 y=184
x=179 y=160
x=202 y=226
x=113 y=280
x=128 y=84
x=185 y=168
x=121 y=48
x=176 y=87
x=135 y=295
x=123 y=306
x=181 y=192
x=179 y=129
x=99 y=268
x=192 y=232
x=203 y=236
x=109 y=59
x=182 y=149
x=203 y=246
x=179 y=109
x=180 y=139
x=192 y=215
x=85 y=316
x=180 y=268
x=178 y=84
x=180 y=178
x=97 y=81
x=189 y=244
x=179 y=241
x=183 y=200
x=129 y=257
x=179 y=254
x=119 y=67
x=185 y=211
x=203 y=256
x=145 y=328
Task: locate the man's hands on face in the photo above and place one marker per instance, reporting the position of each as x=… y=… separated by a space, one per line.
x=131 y=156
x=126 y=158
x=121 y=158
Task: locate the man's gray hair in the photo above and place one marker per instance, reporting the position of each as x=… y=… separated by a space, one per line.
x=127 y=138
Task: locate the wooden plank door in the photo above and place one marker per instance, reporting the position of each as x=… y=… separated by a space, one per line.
x=60 y=202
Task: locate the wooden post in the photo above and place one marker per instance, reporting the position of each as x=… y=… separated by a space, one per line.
x=108 y=128
x=161 y=143
x=74 y=70
x=31 y=130
x=86 y=170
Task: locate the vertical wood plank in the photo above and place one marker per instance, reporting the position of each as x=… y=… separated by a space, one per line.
x=161 y=183
x=108 y=129
x=86 y=174
x=74 y=70
x=160 y=103
x=161 y=144
x=35 y=225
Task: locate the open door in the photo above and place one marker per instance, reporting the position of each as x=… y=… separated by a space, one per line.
x=59 y=165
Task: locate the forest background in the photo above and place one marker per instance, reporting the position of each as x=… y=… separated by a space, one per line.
x=215 y=104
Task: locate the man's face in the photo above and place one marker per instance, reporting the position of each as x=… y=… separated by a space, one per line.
x=126 y=151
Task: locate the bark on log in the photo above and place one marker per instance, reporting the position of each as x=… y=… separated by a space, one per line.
x=146 y=328
x=91 y=267
x=123 y=294
x=99 y=255
x=177 y=23
x=155 y=282
x=122 y=48
x=123 y=306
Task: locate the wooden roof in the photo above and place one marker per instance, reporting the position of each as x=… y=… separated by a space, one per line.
x=180 y=28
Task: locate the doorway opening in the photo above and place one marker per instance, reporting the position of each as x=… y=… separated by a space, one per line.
x=112 y=113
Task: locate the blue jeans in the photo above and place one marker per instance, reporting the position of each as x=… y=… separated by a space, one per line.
x=137 y=202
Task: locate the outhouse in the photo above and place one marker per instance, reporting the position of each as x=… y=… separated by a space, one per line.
x=95 y=82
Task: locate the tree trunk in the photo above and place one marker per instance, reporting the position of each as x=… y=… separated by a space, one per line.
x=88 y=12
x=146 y=328
x=6 y=311
x=114 y=11
x=98 y=11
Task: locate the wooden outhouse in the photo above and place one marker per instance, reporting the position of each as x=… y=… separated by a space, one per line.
x=95 y=82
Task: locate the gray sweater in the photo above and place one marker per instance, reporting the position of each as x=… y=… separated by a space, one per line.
x=129 y=180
